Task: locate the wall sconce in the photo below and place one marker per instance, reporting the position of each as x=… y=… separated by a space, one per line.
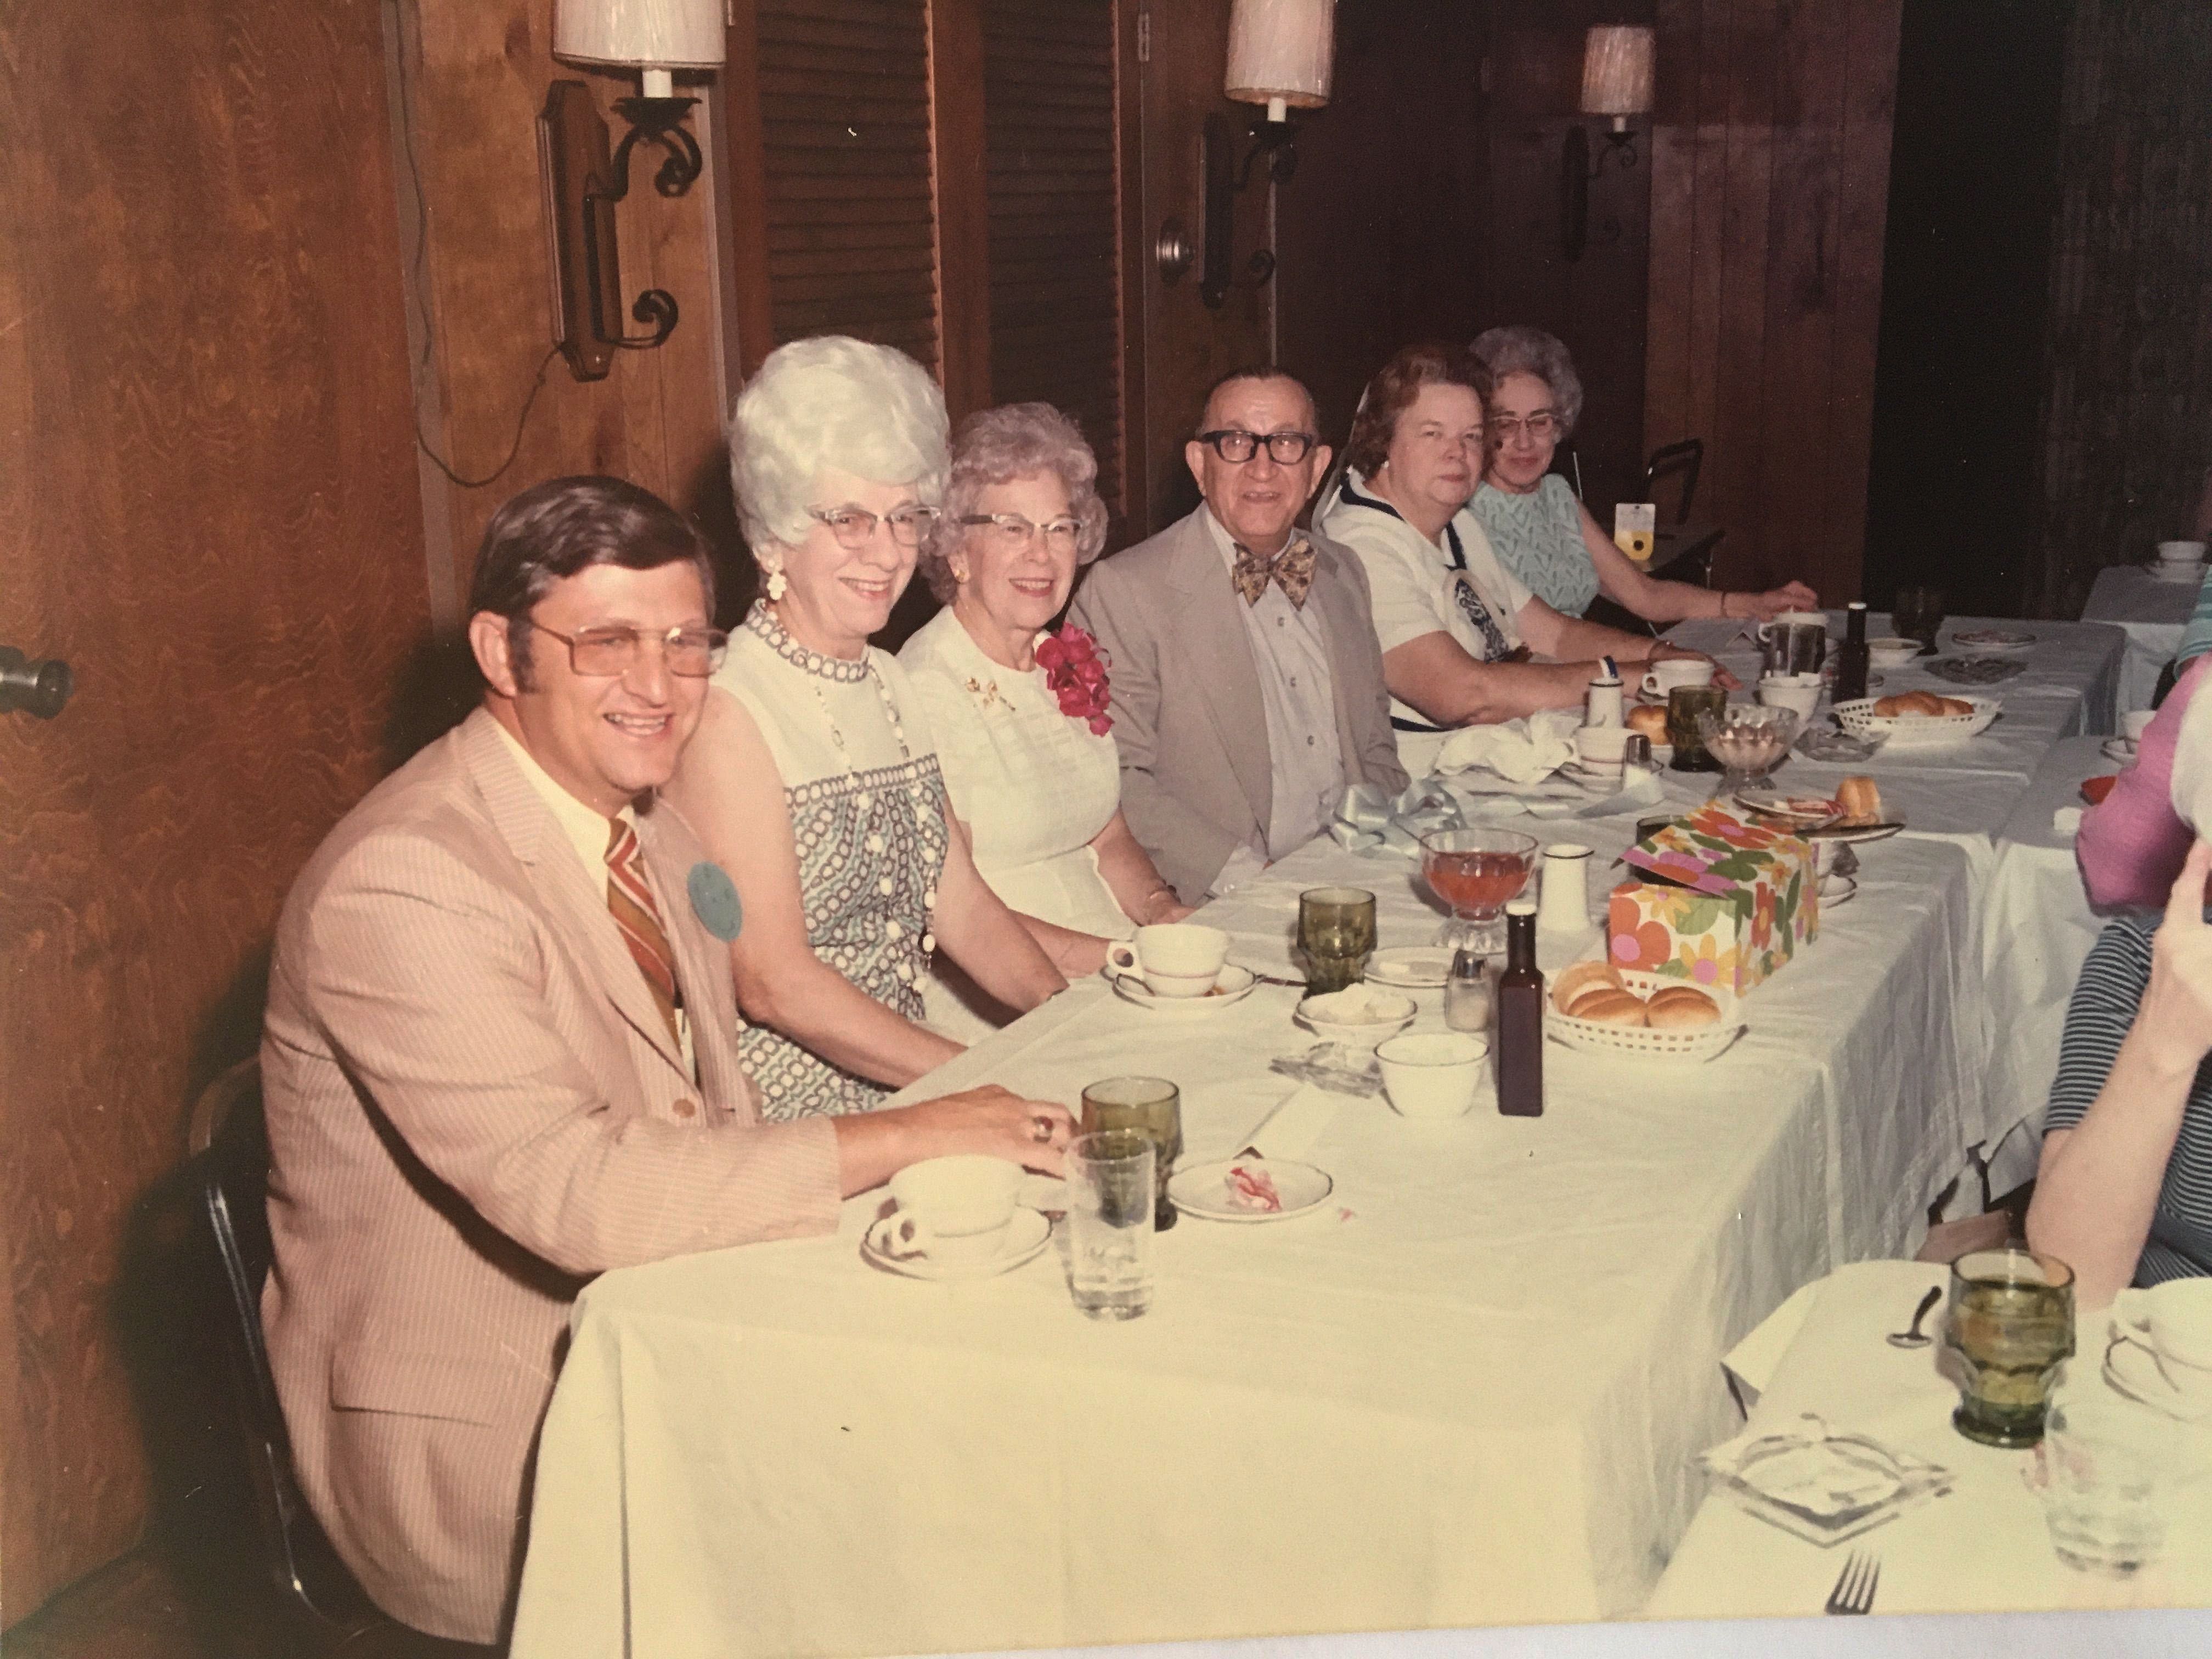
x=583 y=182
x=1616 y=83
x=1282 y=53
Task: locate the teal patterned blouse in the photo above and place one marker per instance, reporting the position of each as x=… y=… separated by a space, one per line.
x=1539 y=538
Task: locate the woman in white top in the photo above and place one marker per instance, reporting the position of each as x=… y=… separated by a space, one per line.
x=1031 y=769
x=1459 y=632
x=812 y=780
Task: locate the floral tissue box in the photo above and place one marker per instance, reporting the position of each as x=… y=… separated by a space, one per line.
x=1727 y=902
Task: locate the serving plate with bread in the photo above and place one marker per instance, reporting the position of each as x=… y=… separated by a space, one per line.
x=1600 y=1009
x=1918 y=719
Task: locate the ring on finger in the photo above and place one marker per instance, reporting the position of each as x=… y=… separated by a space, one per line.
x=1041 y=1130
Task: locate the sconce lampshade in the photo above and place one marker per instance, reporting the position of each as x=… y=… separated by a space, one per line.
x=664 y=34
x=1282 y=52
x=1617 y=71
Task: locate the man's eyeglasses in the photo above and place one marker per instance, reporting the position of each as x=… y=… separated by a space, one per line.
x=854 y=527
x=1236 y=446
x=1013 y=533
x=1540 y=426
x=605 y=653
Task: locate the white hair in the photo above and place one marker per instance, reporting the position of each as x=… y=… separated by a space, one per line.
x=831 y=401
x=1518 y=349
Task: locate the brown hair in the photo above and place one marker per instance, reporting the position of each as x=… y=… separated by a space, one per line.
x=1392 y=391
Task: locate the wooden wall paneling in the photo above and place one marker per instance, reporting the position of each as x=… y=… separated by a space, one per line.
x=1051 y=144
x=958 y=143
x=744 y=153
x=211 y=512
x=1134 y=510
x=1735 y=455
x=1704 y=252
x=1674 y=145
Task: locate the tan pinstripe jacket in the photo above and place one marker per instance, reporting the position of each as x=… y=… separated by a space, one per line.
x=473 y=1107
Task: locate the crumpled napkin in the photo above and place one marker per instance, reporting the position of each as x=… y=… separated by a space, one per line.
x=1520 y=751
x=1366 y=817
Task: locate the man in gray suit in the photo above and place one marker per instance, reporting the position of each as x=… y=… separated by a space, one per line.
x=1246 y=684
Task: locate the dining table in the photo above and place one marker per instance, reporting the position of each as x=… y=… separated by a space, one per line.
x=1468 y=1388
x=2151 y=609
x=1979 y=1544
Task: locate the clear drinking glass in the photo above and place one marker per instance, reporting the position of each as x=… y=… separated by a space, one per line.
x=1477 y=873
x=1110 y=1223
x=2103 y=1467
x=1151 y=1105
x=2011 y=1324
x=1917 y=613
x=1336 y=930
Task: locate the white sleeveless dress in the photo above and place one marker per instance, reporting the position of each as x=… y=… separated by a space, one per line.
x=1034 y=787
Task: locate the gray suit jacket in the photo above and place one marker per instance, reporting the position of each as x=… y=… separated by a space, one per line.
x=1197 y=781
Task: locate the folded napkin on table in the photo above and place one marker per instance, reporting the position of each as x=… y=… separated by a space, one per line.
x=1367 y=818
x=1638 y=788
x=1290 y=1130
x=1520 y=751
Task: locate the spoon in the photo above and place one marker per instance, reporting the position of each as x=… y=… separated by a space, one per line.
x=1911 y=1337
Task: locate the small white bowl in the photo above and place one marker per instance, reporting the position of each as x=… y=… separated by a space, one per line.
x=1393 y=1014
x=1433 y=1074
x=1892 y=652
x=2181 y=554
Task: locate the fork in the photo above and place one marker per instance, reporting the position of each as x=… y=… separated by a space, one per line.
x=1854 y=1591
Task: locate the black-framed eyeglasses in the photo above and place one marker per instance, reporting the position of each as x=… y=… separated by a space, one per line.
x=602 y=654
x=854 y=527
x=1236 y=446
x=1013 y=532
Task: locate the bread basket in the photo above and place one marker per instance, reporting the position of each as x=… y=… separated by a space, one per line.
x=1910 y=731
x=1691 y=1042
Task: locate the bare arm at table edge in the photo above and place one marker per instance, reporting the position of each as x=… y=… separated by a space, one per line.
x=2132 y=842
x=2097 y=1186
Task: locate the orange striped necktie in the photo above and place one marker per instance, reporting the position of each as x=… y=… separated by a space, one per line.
x=630 y=899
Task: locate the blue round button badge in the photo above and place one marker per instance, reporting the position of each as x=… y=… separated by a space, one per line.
x=714 y=901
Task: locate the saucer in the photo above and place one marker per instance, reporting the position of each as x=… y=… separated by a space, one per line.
x=1027 y=1234
x=1233 y=984
x=2160 y=572
x=1851 y=835
x=2136 y=1375
x=1411 y=968
x=2119 y=750
x=1837 y=890
x=1202 y=1189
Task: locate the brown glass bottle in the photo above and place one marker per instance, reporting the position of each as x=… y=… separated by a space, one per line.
x=1520 y=998
x=1853 y=659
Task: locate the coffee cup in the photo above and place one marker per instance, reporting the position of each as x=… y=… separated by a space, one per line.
x=1676 y=672
x=2180 y=554
x=1601 y=748
x=1433 y=1074
x=953 y=1211
x=2135 y=722
x=1800 y=693
x=1173 y=959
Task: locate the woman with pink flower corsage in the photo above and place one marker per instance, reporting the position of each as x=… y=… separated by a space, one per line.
x=1019 y=713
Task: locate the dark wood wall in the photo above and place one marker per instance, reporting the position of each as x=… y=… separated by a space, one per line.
x=212 y=513
x=2127 y=407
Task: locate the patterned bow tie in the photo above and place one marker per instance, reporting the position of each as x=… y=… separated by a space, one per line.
x=1291 y=570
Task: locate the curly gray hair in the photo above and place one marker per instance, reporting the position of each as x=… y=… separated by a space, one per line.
x=998 y=446
x=831 y=401
x=1521 y=350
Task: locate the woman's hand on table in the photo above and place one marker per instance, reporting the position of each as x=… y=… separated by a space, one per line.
x=1666 y=651
x=1765 y=607
x=2175 y=1023
x=996 y=1123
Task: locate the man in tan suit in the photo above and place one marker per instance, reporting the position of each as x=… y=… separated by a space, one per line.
x=1246 y=684
x=501 y=1057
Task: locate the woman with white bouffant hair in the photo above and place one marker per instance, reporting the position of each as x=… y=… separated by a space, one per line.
x=1019 y=713
x=813 y=778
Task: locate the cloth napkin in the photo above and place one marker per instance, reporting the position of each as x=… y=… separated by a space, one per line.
x=1290 y=1130
x=1366 y=818
x=1520 y=751
x=2066 y=821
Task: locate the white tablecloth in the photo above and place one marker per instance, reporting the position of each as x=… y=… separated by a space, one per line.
x=2153 y=612
x=1981 y=1547
x=1466 y=1391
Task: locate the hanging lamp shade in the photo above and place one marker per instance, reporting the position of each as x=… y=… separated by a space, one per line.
x=1617 y=71
x=664 y=34
x=1282 y=52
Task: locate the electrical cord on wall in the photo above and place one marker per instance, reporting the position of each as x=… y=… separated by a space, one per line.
x=418 y=281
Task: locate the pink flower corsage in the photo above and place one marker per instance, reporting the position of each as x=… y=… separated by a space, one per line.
x=1075 y=670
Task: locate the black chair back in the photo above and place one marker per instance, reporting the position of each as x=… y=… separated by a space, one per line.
x=1679 y=460
x=232 y=1185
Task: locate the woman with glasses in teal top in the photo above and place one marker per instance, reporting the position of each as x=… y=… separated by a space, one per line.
x=1542 y=533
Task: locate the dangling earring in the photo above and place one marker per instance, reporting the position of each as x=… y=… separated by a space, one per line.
x=775 y=583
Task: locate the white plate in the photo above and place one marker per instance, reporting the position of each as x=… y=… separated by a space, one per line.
x=2185 y=573
x=1027 y=1234
x=2117 y=750
x=1233 y=984
x=1851 y=835
x=1774 y=803
x=1837 y=890
x=2132 y=1368
x=1202 y=1189
x=1411 y=968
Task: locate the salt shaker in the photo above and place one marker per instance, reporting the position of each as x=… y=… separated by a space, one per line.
x=1466 y=993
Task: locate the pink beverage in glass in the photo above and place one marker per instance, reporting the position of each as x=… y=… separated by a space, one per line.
x=1477 y=873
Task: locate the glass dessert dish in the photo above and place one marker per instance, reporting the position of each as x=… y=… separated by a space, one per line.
x=1749 y=740
x=1475 y=872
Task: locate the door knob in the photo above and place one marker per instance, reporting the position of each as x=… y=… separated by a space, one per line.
x=37 y=688
x=1172 y=252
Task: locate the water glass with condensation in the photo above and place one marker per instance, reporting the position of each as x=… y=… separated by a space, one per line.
x=2103 y=1466
x=1110 y=1223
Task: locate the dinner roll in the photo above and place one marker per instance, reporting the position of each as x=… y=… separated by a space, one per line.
x=1861 y=800
x=1650 y=720
x=1603 y=1005
x=1907 y=703
x=1678 y=1006
x=1955 y=705
x=1572 y=982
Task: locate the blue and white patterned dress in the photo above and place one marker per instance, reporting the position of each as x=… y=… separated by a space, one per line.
x=1539 y=538
x=869 y=821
